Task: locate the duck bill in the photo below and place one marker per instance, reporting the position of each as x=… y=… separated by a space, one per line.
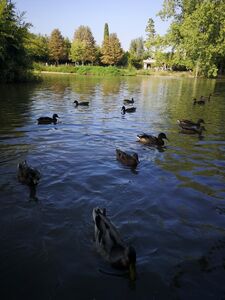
x=132 y=272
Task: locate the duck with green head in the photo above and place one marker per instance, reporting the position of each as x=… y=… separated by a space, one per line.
x=111 y=246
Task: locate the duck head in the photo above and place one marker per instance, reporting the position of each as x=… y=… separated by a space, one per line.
x=75 y=102
x=55 y=116
x=162 y=136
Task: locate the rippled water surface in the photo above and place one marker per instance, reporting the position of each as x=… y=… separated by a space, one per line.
x=171 y=209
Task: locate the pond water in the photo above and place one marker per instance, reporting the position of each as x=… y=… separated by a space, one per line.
x=171 y=209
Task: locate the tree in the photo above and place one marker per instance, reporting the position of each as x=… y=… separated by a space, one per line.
x=15 y=62
x=77 y=52
x=111 y=50
x=151 y=37
x=197 y=34
x=37 y=47
x=84 y=39
x=106 y=31
x=136 y=52
x=57 y=49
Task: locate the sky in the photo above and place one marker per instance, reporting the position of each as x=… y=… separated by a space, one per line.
x=127 y=18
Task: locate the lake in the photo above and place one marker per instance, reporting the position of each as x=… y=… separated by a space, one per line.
x=171 y=208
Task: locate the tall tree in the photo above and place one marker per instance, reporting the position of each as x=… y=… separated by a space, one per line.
x=151 y=37
x=14 y=59
x=106 y=31
x=57 y=49
x=111 y=50
x=83 y=37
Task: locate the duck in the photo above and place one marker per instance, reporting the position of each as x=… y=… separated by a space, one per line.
x=29 y=176
x=128 y=110
x=152 y=140
x=81 y=103
x=200 y=101
x=188 y=123
x=204 y=98
x=193 y=130
x=110 y=244
x=48 y=120
x=127 y=159
x=128 y=101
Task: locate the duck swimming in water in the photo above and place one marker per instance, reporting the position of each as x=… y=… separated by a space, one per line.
x=48 y=120
x=29 y=176
x=81 y=103
x=188 y=123
x=152 y=140
x=193 y=130
x=128 y=110
x=128 y=101
x=111 y=246
x=127 y=159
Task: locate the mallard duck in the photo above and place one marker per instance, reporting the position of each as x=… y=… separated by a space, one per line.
x=29 y=176
x=128 y=110
x=193 y=130
x=111 y=246
x=81 y=103
x=188 y=123
x=48 y=120
x=127 y=159
x=152 y=140
x=128 y=101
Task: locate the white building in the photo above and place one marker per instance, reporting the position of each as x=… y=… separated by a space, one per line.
x=148 y=63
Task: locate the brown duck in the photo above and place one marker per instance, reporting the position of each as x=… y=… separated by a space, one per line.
x=110 y=244
x=152 y=140
x=127 y=159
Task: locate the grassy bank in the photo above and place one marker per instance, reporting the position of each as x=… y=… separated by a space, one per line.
x=104 y=71
x=85 y=70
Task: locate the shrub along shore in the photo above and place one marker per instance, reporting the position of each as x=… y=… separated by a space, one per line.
x=104 y=71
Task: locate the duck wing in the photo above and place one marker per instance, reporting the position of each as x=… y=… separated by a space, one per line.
x=147 y=139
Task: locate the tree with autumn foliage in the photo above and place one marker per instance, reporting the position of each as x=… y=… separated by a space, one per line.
x=57 y=47
x=111 y=50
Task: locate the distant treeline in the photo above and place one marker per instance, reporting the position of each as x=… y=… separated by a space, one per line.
x=194 y=42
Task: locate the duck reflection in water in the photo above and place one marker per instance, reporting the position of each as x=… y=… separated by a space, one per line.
x=29 y=176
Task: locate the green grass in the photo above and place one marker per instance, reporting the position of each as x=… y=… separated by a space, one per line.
x=105 y=71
